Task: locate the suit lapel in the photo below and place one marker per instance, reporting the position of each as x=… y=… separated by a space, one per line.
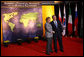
x=53 y=23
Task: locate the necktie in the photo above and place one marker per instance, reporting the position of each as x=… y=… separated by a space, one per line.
x=56 y=23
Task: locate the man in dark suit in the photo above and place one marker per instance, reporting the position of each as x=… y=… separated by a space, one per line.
x=57 y=27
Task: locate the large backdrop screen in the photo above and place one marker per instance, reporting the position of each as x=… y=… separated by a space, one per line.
x=21 y=21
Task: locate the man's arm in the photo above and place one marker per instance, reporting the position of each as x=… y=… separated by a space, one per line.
x=53 y=26
x=60 y=26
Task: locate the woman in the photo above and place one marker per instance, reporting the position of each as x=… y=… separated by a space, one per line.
x=49 y=34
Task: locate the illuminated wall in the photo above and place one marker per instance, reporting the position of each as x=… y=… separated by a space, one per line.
x=47 y=11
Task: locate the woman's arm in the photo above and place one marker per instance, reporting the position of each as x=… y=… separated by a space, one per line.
x=47 y=28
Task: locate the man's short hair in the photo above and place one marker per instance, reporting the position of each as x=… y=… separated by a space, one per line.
x=53 y=16
x=47 y=18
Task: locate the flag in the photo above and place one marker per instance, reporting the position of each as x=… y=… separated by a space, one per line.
x=70 y=22
x=60 y=19
x=76 y=22
x=64 y=22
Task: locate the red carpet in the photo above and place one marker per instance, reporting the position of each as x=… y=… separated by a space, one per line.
x=72 y=47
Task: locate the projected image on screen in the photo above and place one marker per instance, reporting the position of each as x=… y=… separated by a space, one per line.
x=21 y=23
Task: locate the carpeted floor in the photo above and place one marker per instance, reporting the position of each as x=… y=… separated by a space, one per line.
x=72 y=47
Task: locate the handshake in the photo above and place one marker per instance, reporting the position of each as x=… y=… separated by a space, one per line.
x=53 y=32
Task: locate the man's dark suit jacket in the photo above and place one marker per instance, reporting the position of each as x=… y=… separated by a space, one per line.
x=59 y=29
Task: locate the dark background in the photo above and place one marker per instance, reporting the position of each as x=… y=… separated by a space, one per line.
x=80 y=15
